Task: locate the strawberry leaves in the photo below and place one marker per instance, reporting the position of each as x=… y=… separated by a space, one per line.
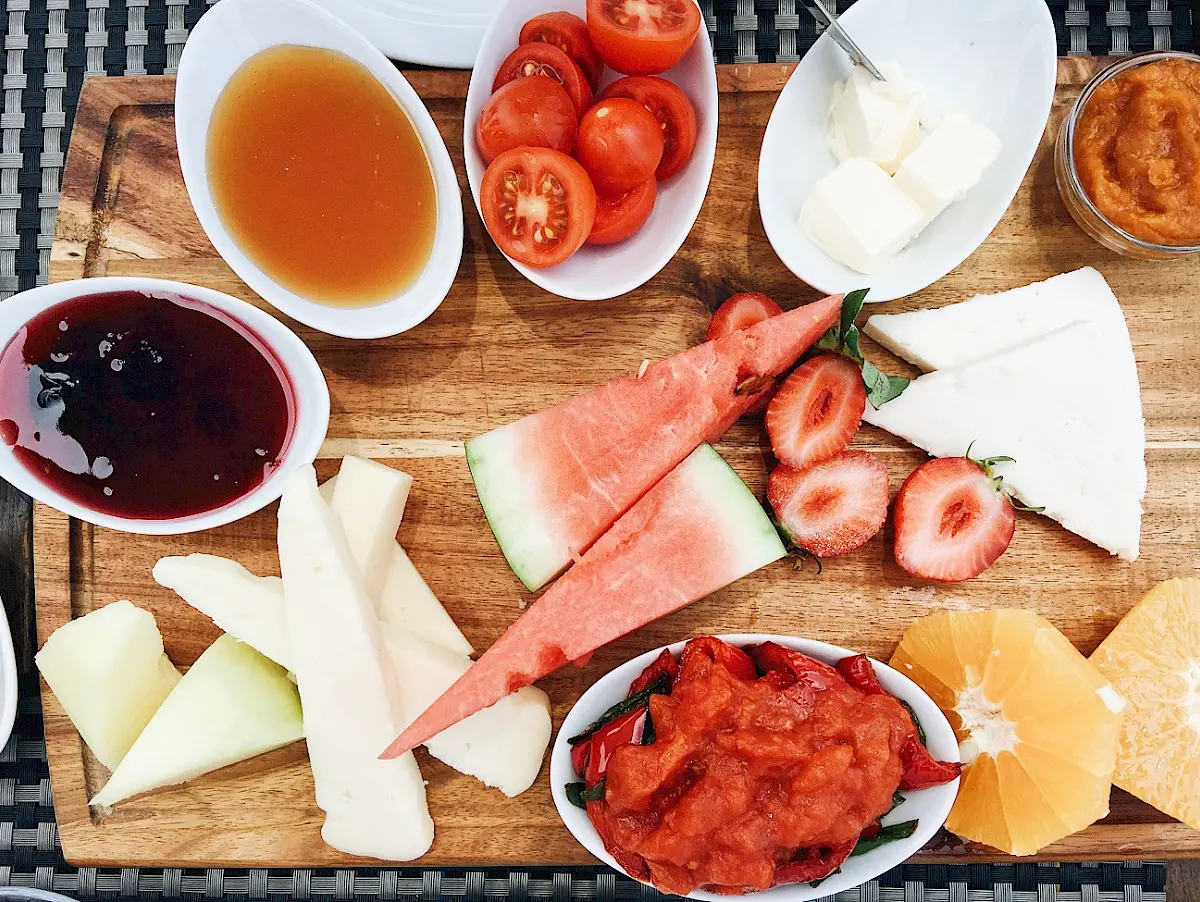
x=844 y=339
x=988 y=464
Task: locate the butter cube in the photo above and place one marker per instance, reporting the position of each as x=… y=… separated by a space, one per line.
x=948 y=164
x=879 y=120
x=858 y=216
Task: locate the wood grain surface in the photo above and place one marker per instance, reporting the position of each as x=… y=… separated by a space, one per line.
x=499 y=348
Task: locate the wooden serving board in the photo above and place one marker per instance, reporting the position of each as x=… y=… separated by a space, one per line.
x=499 y=348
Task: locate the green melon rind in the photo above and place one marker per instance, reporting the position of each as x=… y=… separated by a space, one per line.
x=507 y=513
x=742 y=515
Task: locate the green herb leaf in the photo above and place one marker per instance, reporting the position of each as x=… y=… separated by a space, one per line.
x=916 y=723
x=575 y=793
x=815 y=883
x=648 y=734
x=852 y=305
x=596 y=793
x=830 y=341
x=661 y=686
x=881 y=387
x=850 y=345
x=897 y=799
x=887 y=835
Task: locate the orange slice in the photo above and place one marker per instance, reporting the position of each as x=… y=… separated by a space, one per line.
x=1037 y=724
x=1153 y=660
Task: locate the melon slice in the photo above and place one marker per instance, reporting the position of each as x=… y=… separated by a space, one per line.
x=697 y=530
x=553 y=482
x=231 y=705
x=110 y=674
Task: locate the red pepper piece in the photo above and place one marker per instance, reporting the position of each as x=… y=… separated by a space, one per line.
x=580 y=753
x=625 y=730
x=815 y=674
x=859 y=672
x=736 y=661
x=813 y=864
x=920 y=769
x=872 y=830
x=664 y=663
x=778 y=679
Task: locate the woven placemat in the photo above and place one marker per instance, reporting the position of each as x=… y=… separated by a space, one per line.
x=50 y=46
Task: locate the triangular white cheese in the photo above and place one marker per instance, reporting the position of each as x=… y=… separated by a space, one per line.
x=1056 y=405
x=989 y=323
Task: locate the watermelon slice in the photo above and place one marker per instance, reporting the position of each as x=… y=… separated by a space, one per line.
x=553 y=482
x=697 y=530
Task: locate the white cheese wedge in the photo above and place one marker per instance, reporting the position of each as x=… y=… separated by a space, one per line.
x=369 y=498
x=1057 y=406
x=244 y=605
x=109 y=672
x=987 y=323
x=327 y=488
x=407 y=601
x=232 y=704
x=352 y=710
x=879 y=120
x=859 y=217
x=502 y=746
x=948 y=163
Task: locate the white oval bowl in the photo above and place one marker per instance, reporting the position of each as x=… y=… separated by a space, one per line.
x=929 y=807
x=308 y=387
x=446 y=33
x=228 y=35
x=595 y=273
x=994 y=60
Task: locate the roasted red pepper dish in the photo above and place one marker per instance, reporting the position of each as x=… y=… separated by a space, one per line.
x=734 y=770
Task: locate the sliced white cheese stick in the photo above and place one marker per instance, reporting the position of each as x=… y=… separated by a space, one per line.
x=246 y=606
x=502 y=746
x=369 y=498
x=352 y=709
x=1058 y=407
x=987 y=323
x=404 y=598
x=407 y=601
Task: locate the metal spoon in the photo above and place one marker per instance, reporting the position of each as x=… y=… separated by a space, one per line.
x=843 y=40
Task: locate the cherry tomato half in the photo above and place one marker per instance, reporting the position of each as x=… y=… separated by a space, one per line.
x=568 y=33
x=619 y=144
x=538 y=205
x=674 y=112
x=642 y=37
x=620 y=217
x=527 y=112
x=549 y=61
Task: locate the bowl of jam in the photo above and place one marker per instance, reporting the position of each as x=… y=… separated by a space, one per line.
x=1127 y=160
x=151 y=406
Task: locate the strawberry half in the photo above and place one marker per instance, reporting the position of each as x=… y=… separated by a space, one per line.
x=953 y=520
x=741 y=311
x=816 y=411
x=834 y=507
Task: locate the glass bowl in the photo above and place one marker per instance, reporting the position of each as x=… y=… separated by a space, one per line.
x=1079 y=205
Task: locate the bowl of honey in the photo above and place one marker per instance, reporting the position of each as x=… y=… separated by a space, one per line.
x=315 y=169
x=153 y=407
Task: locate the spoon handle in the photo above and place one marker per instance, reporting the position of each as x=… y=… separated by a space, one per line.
x=839 y=35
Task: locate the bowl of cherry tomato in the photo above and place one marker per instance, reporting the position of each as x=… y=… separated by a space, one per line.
x=754 y=763
x=589 y=137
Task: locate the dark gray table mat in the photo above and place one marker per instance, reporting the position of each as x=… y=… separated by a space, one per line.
x=50 y=46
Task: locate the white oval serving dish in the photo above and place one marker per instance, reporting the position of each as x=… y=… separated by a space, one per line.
x=310 y=392
x=929 y=807
x=228 y=35
x=596 y=273
x=445 y=34
x=994 y=60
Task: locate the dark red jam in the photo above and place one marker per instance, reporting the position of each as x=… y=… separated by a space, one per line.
x=144 y=407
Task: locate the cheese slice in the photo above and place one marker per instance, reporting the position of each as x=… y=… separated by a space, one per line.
x=246 y=606
x=987 y=323
x=1056 y=405
x=352 y=710
x=369 y=498
x=502 y=746
x=366 y=505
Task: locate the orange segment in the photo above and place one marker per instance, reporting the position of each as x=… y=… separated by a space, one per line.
x=1038 y=725
x=1153 y=660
